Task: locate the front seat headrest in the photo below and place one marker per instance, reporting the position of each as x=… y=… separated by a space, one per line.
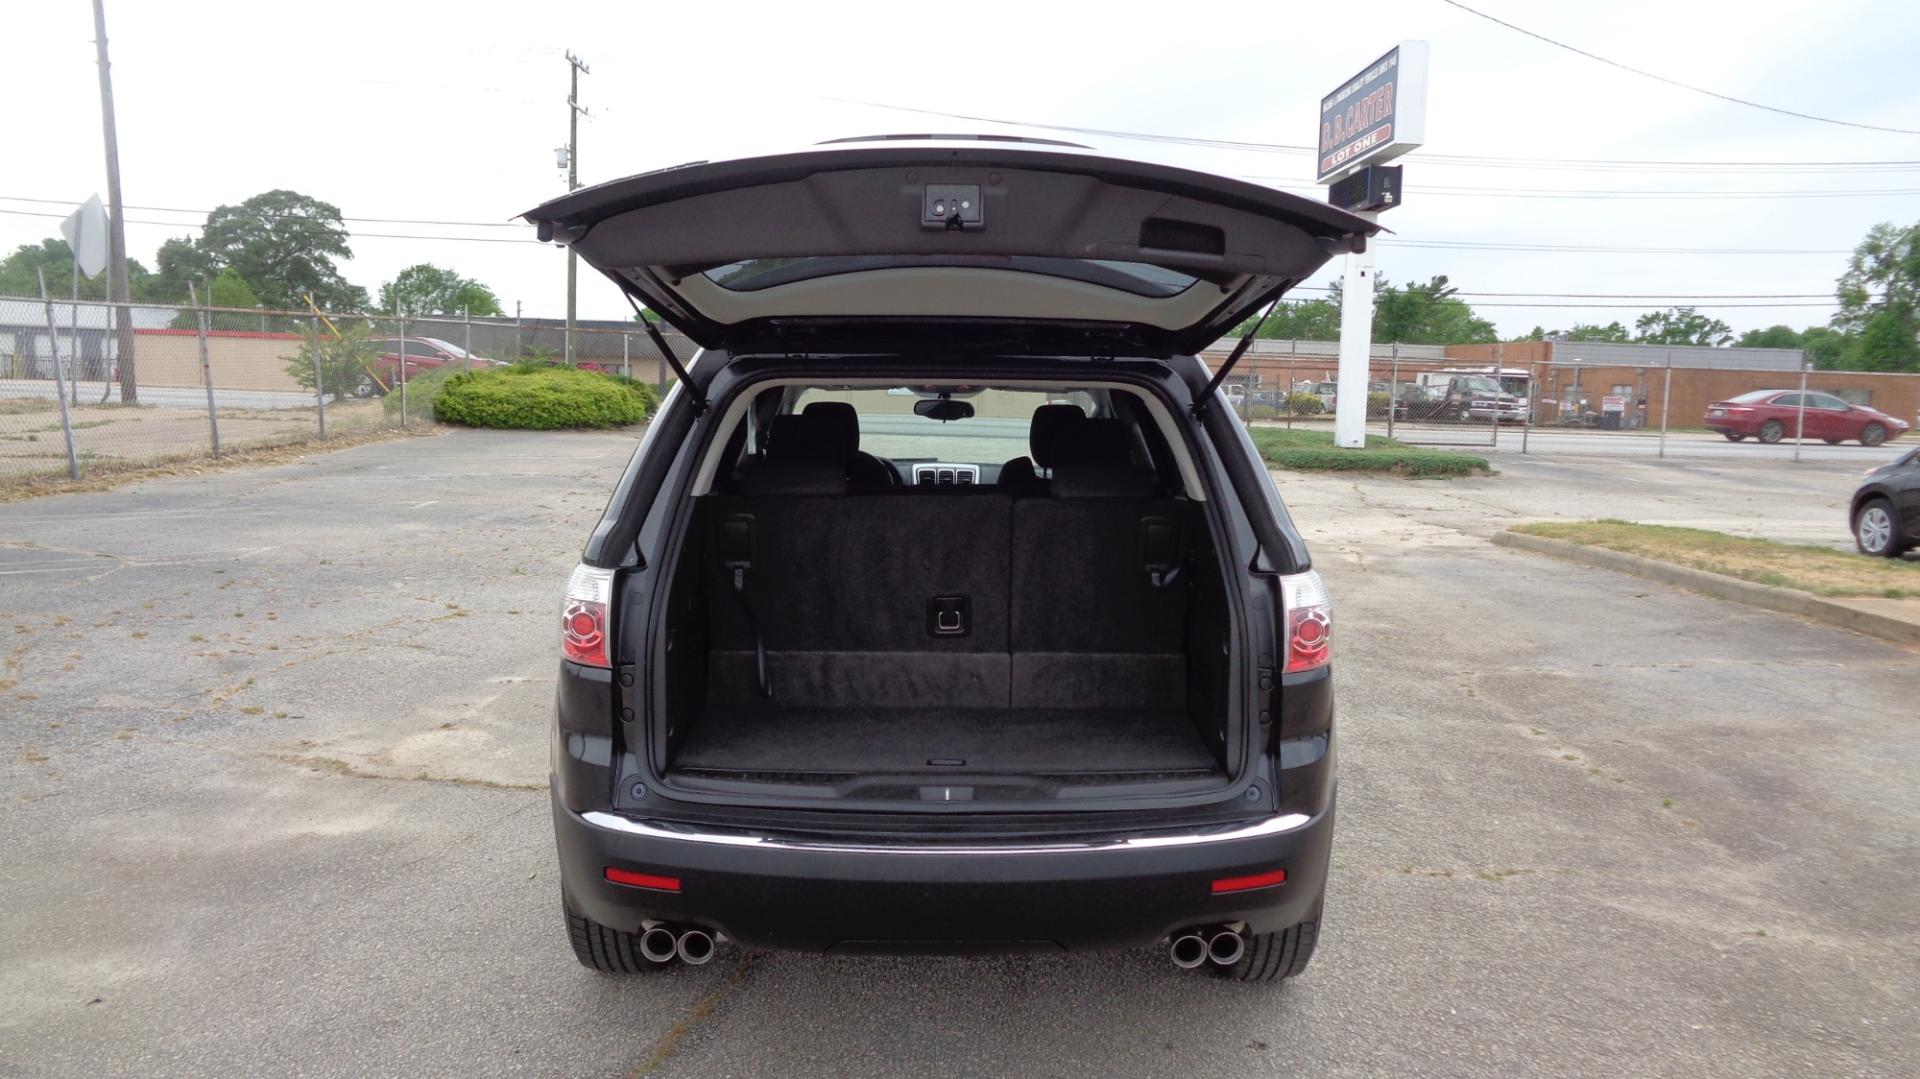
x=1051 y=434
x=839 y=424
x=801 y=437
x=1099 y=442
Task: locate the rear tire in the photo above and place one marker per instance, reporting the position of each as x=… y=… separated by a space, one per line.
x=1772 y=431
x=1272 y=957
x=609 y=951
x=1733 y=437
x=1873 y=435
x=1831 y=441
x=1876 y=529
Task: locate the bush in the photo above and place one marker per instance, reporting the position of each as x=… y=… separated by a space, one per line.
x=345 y=360
x=1379 y=403
x=646 y=390
x=538 y=398
x=1315 y=451
x=422 y=390
x=1305 y=404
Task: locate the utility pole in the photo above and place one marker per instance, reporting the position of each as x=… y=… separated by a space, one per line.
x=116 y=228
x=573 y=184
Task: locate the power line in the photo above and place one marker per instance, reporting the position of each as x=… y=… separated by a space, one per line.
x=1623 y=295
x=1296 y=184
x=1456 y=245
x=278 y=217
x=1676 y=82
x=1474 y=245
x=353 y=234
x=1471 y=160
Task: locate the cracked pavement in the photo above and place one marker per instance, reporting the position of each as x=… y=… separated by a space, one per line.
x=272 y=802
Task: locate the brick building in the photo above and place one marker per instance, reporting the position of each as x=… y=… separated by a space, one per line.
x=1574 y=375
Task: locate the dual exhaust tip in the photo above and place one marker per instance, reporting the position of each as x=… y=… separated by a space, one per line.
x=1195 y=948
x=664 y=944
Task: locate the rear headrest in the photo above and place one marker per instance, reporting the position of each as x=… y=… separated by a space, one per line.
x=1053 y=430
x=839 y=425
x=792 y=478
x=1095 y=464
x=1104 y=481
x=804 y=437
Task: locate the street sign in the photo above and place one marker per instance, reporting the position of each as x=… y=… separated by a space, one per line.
x=86 y=233
x=1375 y=116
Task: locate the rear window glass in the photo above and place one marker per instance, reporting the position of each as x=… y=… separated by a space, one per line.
x=1137 y=278
x=996 y=432
x=1754 y=397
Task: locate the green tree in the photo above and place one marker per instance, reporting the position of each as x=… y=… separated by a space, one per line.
x=231 y=290
x=1826 y=348
x=19 y=273
x=1681 y=326
x=1305 y=320
x=1588 y=331
x=228 y=289
x=1428 y=314
x=1886 y=344
x=284 y=245
x=179 y=261
x=1419 y=314
x=1882 y=275
x=426 y=289
x=1771 y=337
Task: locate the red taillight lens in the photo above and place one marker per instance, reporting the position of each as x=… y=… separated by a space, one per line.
x=1309 y=621
x=643 y=880
x=1249 y=883
x=584 y=624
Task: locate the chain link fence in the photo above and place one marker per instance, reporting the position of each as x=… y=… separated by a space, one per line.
x=1507 y=397
x=88 y=386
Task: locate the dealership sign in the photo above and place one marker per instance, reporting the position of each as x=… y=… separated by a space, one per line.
x=1377 y=115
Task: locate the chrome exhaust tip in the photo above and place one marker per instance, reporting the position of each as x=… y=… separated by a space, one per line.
x=1226 y=948
x=1188 y=951
x=657 y=945
x=695 y=947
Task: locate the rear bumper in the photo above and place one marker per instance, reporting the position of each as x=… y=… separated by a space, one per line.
x=819 y=893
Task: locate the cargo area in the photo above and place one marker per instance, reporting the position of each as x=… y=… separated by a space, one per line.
x=1068 y=626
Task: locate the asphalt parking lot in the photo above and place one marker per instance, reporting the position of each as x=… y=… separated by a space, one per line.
x=274 y=804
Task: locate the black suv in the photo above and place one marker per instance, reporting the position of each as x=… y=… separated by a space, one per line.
x=945 y=606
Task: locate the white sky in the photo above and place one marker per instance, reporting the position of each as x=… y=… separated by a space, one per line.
x=451 y=112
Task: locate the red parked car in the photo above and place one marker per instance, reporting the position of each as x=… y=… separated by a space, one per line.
x=420 y=354
x=1771 y=415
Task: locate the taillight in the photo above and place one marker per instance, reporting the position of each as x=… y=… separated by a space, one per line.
x=1309 y=621
x=584 y=622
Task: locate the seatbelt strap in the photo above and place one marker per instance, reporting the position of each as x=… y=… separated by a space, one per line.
x=1159 y=548
x=736 y=554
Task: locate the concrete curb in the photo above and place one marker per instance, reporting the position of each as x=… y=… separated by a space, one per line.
x=1784 y=600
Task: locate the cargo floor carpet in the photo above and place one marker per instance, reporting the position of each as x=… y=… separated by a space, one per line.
x=1024 y=740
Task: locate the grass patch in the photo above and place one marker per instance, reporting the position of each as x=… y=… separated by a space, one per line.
x=538 y=398
x=1802 y=567
x=1315 y=451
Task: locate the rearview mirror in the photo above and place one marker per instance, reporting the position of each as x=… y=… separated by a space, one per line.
x=944 y=410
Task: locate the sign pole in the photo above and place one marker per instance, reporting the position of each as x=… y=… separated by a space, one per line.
x=59 y=385
x=1356 y=342
x=1367 y=121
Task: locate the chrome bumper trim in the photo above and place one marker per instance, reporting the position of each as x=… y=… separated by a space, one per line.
x=1272 y=826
